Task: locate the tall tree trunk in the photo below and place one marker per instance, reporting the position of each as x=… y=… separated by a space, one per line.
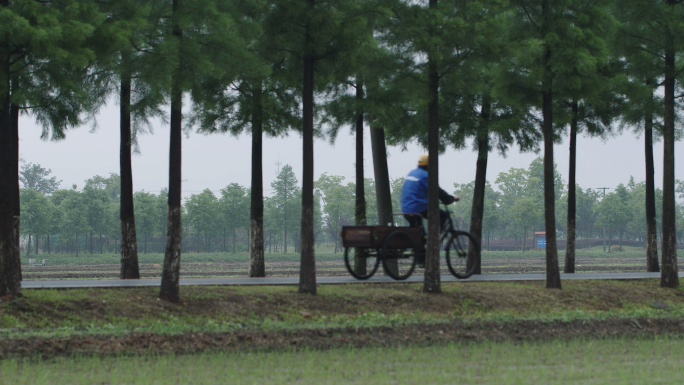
x=652 y=264
x=360 y=193
x=28 y=247
x=432 y=279
x=14 y=263
x=477 y=213
x=572 y=193
x=257 y=266
x=552 y=270
x=10 y=269
x=669 y=276
x=307 y=273
x=383 y=194
x=170 y=279
x=129 y=243
x=381 y=174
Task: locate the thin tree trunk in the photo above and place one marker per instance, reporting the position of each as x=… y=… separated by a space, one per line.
x=669 y=276
x=129 y=243
x=307 y=273
x=383 y=193
x=257 y=266
x=572 y=192
x=477 y=213
x=28 y=247
x=360 y=193
x=169 y=290
x=381 y=175
x=552 y=270
x=652 y=264
x=14 y=263
x=432 y=279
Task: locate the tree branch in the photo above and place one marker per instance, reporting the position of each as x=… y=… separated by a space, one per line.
x=529 y=16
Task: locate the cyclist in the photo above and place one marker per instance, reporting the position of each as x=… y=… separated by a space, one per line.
x=414 y=198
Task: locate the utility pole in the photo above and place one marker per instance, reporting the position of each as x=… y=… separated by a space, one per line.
x=604 y=228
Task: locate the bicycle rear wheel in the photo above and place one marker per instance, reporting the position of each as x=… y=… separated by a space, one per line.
x=399 y=255
x=361 y=262
x=457 y=254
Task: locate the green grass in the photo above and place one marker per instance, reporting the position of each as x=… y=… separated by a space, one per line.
x=55 y=313
x=322 y=254
x=98 y=259
x=615 y=361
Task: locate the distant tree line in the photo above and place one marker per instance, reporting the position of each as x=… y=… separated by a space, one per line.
x=71 y=221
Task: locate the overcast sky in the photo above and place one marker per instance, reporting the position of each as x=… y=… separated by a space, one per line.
x=217 y=160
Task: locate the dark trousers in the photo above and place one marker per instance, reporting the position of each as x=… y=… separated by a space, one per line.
x=416 y=220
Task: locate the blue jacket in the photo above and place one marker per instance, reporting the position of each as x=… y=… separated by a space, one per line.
x=414 y=194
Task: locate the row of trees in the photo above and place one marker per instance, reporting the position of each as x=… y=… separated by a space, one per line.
x=443 y=72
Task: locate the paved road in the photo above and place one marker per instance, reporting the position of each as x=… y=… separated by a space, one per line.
x=60 y=284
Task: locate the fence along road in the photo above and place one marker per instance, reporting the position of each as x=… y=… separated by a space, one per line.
x=86 y=283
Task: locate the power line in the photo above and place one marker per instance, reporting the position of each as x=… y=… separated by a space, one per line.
x=604 y=190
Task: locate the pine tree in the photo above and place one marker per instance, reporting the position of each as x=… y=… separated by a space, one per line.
x=200 y=37
x=650 y=43
x=253 y=95
x=43 y=67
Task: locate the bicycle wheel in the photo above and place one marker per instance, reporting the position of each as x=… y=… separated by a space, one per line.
x=361 y=262
x=399 y=255
x=457 y=254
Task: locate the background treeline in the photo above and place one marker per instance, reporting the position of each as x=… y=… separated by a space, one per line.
x=87 y=221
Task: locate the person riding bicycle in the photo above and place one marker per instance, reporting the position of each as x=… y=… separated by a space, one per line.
x=414 y=197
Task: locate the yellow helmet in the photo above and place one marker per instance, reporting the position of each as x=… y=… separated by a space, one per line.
x=423 y=160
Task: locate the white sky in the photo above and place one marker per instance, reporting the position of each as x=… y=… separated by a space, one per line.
x=215 y=161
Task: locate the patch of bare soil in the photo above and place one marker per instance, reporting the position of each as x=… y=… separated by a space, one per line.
x=418 y=334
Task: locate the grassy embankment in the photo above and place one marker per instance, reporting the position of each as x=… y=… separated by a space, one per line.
x=488 y=310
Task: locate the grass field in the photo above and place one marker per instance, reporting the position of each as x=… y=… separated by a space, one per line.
x=473 y=333
x=612 y=361
x=193 y=265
